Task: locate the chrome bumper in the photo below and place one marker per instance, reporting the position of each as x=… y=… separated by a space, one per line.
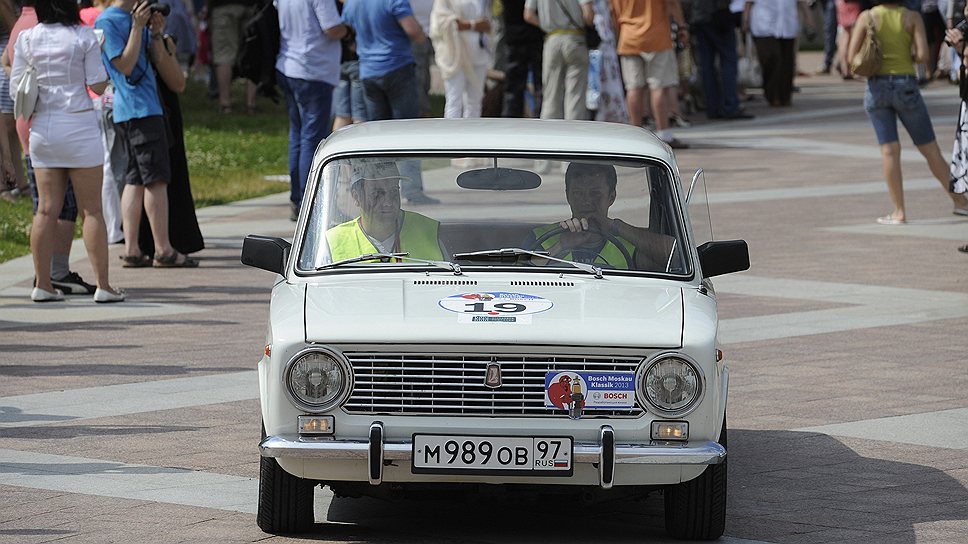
x=605 y=453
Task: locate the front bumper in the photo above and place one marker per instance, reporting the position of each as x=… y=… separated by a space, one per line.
x=605 y=453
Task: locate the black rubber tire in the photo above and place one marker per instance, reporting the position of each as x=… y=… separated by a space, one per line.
x=696 y=510
x=285 y=501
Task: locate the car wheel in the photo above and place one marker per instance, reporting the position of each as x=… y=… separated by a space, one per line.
x=696 y=510
x=285 y=501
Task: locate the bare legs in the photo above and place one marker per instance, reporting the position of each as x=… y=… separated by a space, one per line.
x=46 y=230
x=891 y=163
x=154 y=197
x=223 y=76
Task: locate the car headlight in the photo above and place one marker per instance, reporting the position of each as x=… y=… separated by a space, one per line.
x=671 y=384
x=317 y=379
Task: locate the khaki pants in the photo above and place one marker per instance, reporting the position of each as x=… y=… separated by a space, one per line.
x=564 y=76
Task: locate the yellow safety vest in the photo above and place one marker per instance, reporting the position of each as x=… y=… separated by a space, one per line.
x=418 y=236
x=610 y=254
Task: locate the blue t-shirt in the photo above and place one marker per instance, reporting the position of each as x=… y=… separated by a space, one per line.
x=381 y=43
x=135 y=96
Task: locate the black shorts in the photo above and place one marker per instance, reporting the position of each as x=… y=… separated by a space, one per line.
x=146 y=146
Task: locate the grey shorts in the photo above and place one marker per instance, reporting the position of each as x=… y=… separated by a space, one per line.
x=658 y=70
x=146 y=146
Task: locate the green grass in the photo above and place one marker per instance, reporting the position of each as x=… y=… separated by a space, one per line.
x=228 y=156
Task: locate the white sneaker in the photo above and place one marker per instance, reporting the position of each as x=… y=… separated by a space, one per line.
x=41 y=295
x=103 y=295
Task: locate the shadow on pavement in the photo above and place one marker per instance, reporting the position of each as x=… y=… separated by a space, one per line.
x=49 y=432
x=784 y=486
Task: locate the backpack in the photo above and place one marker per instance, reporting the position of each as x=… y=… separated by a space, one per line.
x=258 y=50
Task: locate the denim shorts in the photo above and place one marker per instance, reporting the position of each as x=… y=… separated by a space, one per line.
x=890 y=97
x=348 y=95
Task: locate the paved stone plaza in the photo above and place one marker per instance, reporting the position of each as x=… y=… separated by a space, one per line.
x=847 y=343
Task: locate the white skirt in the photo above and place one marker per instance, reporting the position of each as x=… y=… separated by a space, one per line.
x=66 y=140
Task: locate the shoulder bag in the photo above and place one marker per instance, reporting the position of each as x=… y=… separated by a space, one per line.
x=27 y=88
x=592 y=38
x=868 y=59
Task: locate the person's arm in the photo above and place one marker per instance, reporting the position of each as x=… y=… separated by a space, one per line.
x=5 y=63
x=412 y=28
x=531 y=17
x=675 y=10
x=747 y=9
x=588 y=13
x=166 y=64
x=128 y=58
x=95 y=76
x=858 y=35
x=921 y=54
x=329 y=20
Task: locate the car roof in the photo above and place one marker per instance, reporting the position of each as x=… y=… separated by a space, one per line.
x=504 y=135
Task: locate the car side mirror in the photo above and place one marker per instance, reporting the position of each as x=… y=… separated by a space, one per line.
x=266 y=252
x=723 y=257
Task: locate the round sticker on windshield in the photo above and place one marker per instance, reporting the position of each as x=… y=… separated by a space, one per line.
x=496 y=304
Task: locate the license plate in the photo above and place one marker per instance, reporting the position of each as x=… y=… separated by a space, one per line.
x=520 y=456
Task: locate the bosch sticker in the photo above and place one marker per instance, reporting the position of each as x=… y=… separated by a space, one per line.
x=495 y=307
x=591 y=390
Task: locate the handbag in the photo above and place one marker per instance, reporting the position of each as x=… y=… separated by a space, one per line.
x=868 y=59
x=27 y=88
x=592 y=38
x=748 y=73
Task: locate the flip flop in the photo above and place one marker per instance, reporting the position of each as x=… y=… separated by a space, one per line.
x=171 y=261
x=135 y=261
x=888 y=220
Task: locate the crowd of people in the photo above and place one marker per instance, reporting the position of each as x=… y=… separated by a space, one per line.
x=116 y=67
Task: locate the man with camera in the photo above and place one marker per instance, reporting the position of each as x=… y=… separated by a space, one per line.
x=132 y=31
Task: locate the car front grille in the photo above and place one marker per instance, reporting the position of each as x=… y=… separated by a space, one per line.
x=453 y=384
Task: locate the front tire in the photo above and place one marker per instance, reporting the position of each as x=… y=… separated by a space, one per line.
x=285 y=501
x=696 y=510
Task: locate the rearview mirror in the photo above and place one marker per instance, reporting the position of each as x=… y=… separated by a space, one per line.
x=723 y=257
x=499 y=179
x=266 y=252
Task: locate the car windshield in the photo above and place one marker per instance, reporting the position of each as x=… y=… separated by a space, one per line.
x=619 y=216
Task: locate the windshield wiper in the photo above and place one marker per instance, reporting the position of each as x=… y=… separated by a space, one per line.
x=385 y=257
x=511 y=254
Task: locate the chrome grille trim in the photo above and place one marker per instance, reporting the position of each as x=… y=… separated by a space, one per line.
x=453 y=383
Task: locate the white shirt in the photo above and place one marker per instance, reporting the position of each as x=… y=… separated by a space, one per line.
x=66 y=59
x=305 y=51
x=774 y=19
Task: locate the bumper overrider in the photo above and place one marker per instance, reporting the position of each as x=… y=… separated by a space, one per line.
x=605 y=452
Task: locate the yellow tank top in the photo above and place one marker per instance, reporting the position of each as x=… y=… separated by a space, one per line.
x=895 y=42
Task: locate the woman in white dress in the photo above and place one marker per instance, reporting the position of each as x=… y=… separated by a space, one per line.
x=65 y=141
x=460 y=32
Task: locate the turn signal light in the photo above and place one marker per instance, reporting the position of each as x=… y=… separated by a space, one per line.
x=670 y=430
x=313 y=425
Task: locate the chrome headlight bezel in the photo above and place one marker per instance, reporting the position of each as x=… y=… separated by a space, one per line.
x=654 y=407
x=341 y=363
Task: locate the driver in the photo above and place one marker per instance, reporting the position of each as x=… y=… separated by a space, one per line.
x=590 y=236
x=382 y=226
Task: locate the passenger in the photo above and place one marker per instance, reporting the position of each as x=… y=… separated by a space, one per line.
x=382 y=226
x=589 y=235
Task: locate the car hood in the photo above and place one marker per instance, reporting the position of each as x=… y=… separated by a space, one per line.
x=619 y=312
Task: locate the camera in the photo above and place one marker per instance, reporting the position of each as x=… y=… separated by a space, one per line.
x=963 y=28
x=155 y=6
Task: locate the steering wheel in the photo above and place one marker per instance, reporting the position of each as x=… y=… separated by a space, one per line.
x=536 y=246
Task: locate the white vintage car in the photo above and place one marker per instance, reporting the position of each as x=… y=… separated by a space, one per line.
x=549 y=322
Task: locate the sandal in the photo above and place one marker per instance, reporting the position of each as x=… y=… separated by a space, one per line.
x=890 y=220
x=171 y=261
x=135 y=261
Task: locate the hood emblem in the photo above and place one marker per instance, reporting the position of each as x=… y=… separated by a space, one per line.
x=492 y=376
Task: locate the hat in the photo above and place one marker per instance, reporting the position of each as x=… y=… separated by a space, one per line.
x=376 y=171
